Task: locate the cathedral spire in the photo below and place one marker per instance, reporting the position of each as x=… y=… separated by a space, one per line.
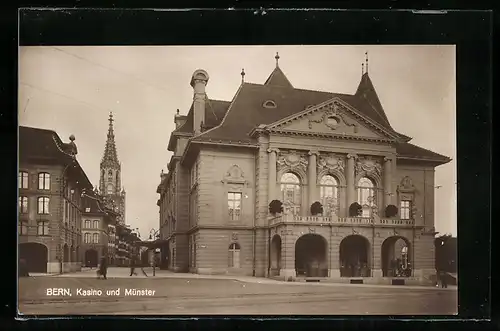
x=110 y=157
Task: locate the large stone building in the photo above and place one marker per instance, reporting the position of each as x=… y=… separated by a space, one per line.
x=110 y=174
x=98 y=230
x=50 y=205
x=272 y=141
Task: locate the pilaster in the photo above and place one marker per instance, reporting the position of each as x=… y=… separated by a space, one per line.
x=351 y=192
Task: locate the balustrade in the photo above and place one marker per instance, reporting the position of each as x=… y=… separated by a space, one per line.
x=357 y=221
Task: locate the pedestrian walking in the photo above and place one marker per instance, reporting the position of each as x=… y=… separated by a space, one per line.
x=143 y=272
x=132 y=266
x=103 y=268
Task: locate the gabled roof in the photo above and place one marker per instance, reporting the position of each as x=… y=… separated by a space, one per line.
x=278 y=78
x=411 y=151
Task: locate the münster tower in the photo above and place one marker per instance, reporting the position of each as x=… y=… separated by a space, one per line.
x=110 y=174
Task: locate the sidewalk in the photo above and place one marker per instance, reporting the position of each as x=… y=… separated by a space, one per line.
x=122 y=272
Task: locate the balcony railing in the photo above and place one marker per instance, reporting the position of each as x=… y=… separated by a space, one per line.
x=359 y=221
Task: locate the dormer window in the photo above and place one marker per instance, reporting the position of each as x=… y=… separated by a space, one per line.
x=269 y=104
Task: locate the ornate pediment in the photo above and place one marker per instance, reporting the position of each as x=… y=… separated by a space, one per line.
x=333 y=118
x=331 y=162
x=368 y=166
x=234 y=175
x=406 y=185
x=293 y=160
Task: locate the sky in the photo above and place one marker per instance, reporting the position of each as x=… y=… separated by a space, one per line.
x=72 y=90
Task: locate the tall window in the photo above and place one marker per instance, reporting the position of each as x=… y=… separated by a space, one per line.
x=329 y=194
x=42 y=228
x=23 y=179
x=290 y=190
x=23 y=228
x=95 y=238
x=234 y=256
x=23 y=205
x=44 y=181
x=96 y=225
x=405 y=209
x=86 y=238
x=110 y=189
x=87 y=224
x=234 y=205
x=43 y=205
x=366 y=196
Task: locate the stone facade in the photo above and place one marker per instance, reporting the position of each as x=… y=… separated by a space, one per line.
x=214 y=200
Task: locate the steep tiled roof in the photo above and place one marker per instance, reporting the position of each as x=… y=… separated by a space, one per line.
x=278 y=78
x=214 y=112
x=41 y=144
x=370 y=102
x=38 y=143
x=412 y=151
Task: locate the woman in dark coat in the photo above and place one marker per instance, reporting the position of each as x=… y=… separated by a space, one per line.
x=103 y=268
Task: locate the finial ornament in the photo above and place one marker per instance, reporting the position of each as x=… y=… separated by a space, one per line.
x=366 y=61
x=277 y=57
x=242 y=75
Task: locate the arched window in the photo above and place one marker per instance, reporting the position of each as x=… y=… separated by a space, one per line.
x=366 y=196
x=329 y=194
x=87 y=224
x=110 y=189
x=290 y=191
x=86 y=238
x=43 y=205
x=234 y=256
x=95 y=238
x=96 y=224
x=269 y=104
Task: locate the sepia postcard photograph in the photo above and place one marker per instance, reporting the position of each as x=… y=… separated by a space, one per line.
x=247 y=180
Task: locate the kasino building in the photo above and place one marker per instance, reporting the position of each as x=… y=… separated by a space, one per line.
x=285 y=182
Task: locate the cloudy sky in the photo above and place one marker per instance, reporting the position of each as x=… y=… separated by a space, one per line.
x=72 y=90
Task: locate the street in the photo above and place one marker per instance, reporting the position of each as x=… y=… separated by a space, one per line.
x=191 y=295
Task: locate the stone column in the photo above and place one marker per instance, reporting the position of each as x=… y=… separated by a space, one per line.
x=312 y=176
x=272 y=174
x=350 y=176
x=387 y=181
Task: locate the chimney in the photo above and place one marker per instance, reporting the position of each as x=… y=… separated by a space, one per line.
x=179 y=119
x=199 y=82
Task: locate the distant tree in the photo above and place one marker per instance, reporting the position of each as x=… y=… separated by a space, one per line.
x=445 y=253
x=275 y=207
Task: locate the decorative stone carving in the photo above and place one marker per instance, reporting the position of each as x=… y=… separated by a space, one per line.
x=293 y=160
x=395 y=232
x=333 y=118
x=234 y=236
x=331 y=162
x=354 y=231
x=368 y=166
x=312 y=230
x=234 y=172
x=406 y=184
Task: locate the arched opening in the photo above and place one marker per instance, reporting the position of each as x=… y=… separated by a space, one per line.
x=34 y=257
x=291 y=193
x=275 y=255
x=73 y=257
x=66 y=253
x=310 y=256
x=354 y=257
x=91 y=258
x=329 y=195
x=396 y=257
x=367 y=197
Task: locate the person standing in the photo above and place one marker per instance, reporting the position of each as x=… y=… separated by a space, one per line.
x=132 y=266
x=444 y=280
x=103 y=268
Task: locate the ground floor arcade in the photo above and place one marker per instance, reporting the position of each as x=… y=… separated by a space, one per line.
x=302 y=251
x=46 y=256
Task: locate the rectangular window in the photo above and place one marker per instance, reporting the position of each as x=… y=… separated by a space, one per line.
x=95 y=238
x=42 y=228
x=234 y=205
x=23 y=205
x=44 y=181
x=23 y=179
x=43 y=205
x=405 y=209
x=23 y=228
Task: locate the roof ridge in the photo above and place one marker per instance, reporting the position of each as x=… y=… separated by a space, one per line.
x=301 y=89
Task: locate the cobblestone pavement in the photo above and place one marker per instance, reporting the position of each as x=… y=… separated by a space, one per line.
x=199 y=296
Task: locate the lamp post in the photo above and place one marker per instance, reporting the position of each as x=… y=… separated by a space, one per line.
x=154 y=234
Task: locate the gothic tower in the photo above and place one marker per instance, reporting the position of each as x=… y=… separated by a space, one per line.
x=110 y=174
